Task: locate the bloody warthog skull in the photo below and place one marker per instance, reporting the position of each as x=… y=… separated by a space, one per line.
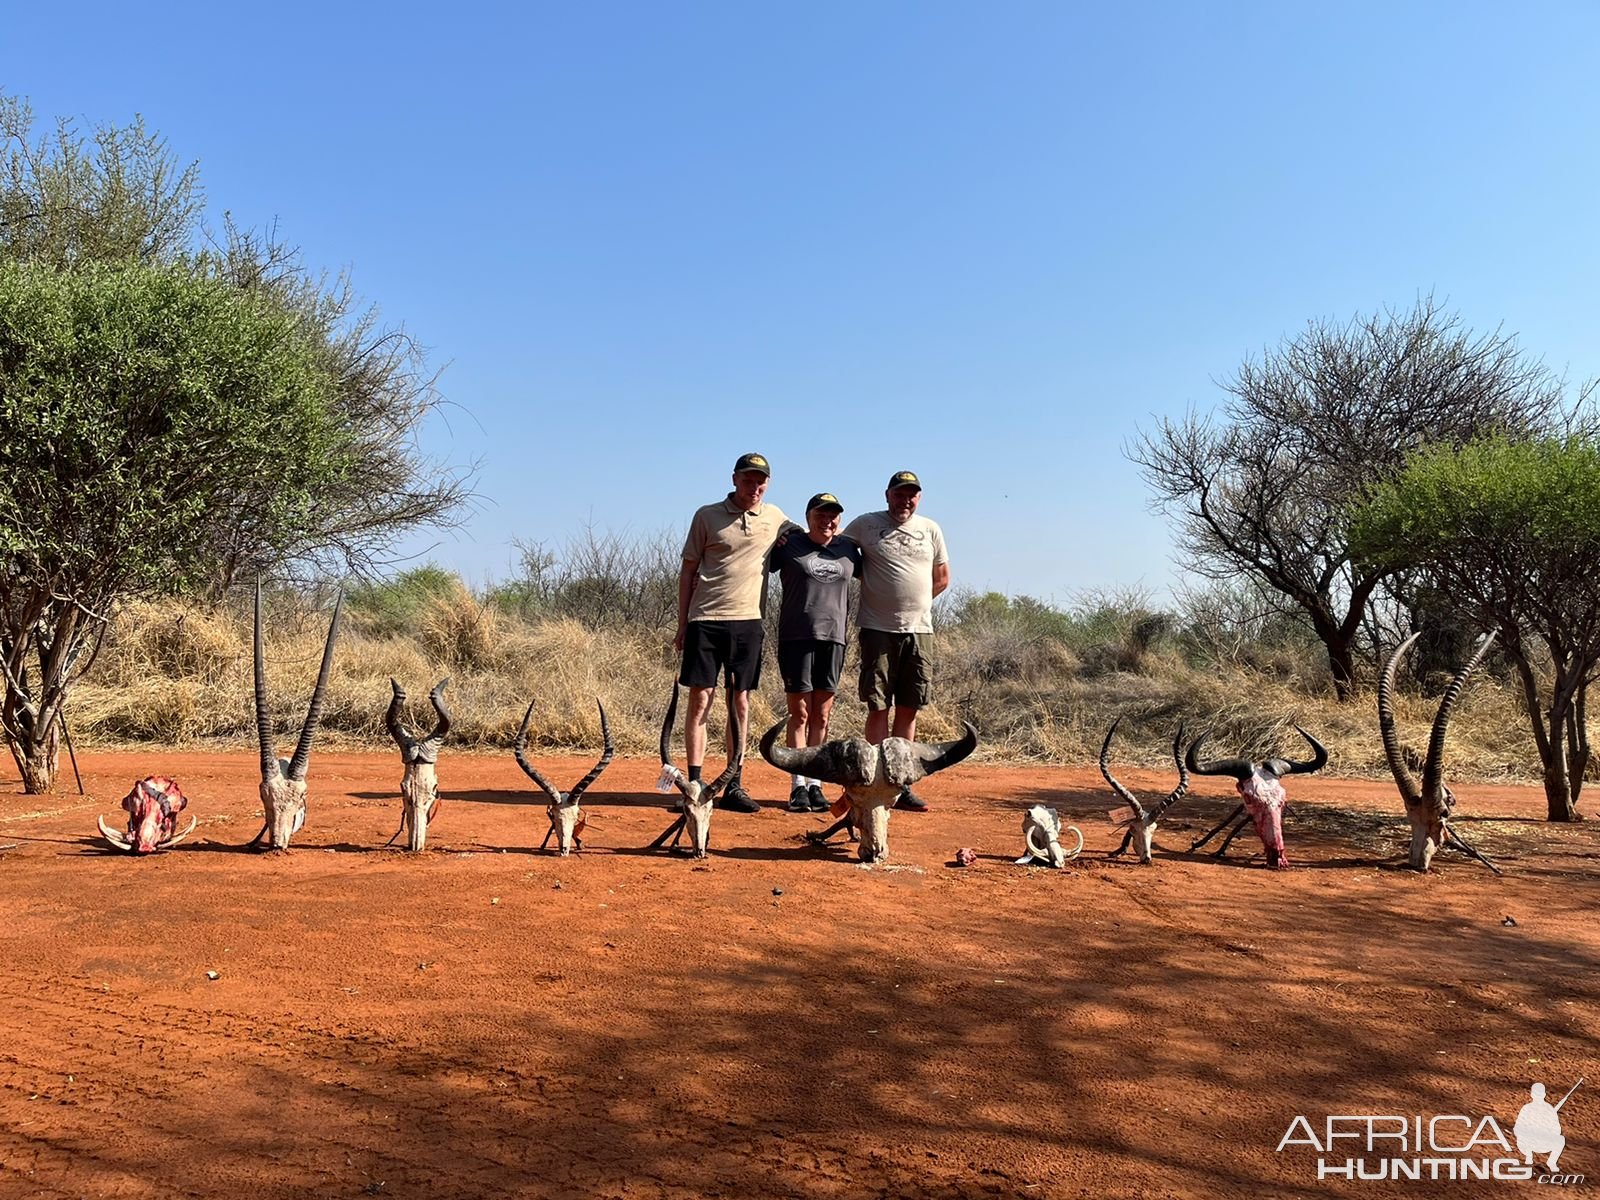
x=152 y=807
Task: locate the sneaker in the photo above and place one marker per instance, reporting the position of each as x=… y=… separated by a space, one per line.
x=736 y=799
x=815 y=799
x=799 y=799
x=909 y=801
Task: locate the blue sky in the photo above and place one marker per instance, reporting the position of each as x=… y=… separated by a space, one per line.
x=985 y=242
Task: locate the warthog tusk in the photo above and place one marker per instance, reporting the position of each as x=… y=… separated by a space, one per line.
x=118 y=840
x=1078 y=849
x=176 y=838
x=1033 y=847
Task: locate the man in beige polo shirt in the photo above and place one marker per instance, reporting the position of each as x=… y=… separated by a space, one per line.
x=722 y=591
x=904 y=566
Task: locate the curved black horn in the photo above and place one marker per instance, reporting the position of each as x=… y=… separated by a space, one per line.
x=1318 y=760
x=666 y=727
x=1123 y=793
x=269 y=752
x=391 y=719
x=1235 y=768
x=936 y=756
x=605 y=757
x=735 y=764
x=1432 y=765
x=302 y=751
x=1386 y=728
x=1183 y=774
x=518 y=745
x=436 y=698
x=796 y=760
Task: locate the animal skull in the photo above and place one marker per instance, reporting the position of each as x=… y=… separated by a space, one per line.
x=872 y=776
x=152 y=807
x=283 y=780
x=567 y=821
x=698 y=797
x=1263 y=796
x=419 y=786
x=1041 y=834
x=1138 y=821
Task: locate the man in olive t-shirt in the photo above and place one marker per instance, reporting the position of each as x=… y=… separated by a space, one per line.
x=722 y=590
x=904 y=566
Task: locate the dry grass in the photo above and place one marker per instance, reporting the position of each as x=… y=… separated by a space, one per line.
x=176 y=674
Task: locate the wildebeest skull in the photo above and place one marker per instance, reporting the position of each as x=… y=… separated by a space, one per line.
x=566 y=817
x=152 y=807
x=1263 y=796
x=283 y=780
x=1041 y=835
x=872 y=776
x=419 y=786
x=698 y=796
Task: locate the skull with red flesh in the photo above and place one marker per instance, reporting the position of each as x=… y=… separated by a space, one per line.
x=152 y=807
x=1260 y=789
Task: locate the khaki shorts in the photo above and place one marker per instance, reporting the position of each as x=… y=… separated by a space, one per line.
x=896 y=670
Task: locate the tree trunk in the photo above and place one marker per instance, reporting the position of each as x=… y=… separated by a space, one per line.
x=1342 y=666
x=37 y=759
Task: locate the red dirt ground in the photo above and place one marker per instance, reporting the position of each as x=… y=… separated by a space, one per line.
x=485 y=1020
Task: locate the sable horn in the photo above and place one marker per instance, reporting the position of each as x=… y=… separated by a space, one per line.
x=269 y=753
x=302 y=750
x=1432 y=765
x=605 y=757
x=518 y=745
x=1386 y=727
x=1235 y=768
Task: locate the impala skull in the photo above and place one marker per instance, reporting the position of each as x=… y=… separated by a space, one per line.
x=1138 y=822
x=566 y=817
x=698 y=796
x=419 y=785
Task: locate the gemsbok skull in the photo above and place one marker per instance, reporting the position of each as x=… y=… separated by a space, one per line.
x=1041 y=838
x=283 y=780
x=1263 y=795
x=1430 y=806
x=152 y=807
x=698 y=796
x=872 y=776
x=566 y=817
x=419 y=786
x=1137 y=821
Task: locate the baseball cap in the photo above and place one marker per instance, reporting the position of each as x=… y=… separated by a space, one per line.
x=752 y=462
x=904 y=479
x=824 y=500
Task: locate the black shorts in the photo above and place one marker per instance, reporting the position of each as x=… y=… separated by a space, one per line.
x=808 y=665
x=896 y=670
x=731 y=649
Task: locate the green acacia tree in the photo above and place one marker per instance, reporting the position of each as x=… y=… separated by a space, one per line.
x=140 y=404
x=1510 y=533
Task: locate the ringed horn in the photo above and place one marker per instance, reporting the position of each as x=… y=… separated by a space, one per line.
x=566 y=818
x=1141 y=824
x=1427 y=807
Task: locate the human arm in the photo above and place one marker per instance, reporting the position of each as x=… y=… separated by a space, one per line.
x=941 y=577
x=688 y=576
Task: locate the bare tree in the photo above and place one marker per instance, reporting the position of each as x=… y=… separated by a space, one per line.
x=1264 y=488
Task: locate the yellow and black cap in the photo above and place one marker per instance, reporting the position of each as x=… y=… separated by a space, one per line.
x=824 y=500
x=904 y=479
x=752 y=462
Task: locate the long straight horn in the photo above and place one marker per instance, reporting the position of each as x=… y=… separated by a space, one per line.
x=269 y=753
x=1386 y=728
x=436 y=698
x=607 y=750
x=1183 y=775
x=1432 y=765
x=518 y=745
x=302 y=751
x=1235 y=768
x=1123 y=793
x=936 y=756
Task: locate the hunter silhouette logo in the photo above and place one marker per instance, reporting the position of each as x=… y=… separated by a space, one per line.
x=1393 y=1146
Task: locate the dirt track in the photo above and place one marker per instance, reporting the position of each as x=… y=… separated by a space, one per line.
x=485 y=1020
